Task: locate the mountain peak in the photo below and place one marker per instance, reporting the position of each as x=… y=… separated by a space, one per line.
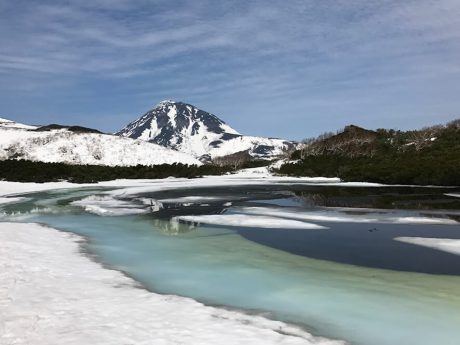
x=166 y=102
x=186 y=128
x=169 y=122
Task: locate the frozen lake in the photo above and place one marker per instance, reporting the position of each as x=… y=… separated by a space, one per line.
x=368 y=265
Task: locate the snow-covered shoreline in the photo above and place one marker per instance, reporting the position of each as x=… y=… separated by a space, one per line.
x=14 y=188
x=52 y=294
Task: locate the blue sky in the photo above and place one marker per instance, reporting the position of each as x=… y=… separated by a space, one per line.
x=289 y=69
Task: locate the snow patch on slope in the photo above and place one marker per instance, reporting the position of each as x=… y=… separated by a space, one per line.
x=5 y=123
x=85 y=148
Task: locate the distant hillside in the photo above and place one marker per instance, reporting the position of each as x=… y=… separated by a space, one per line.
x=352 y=141
x=75 y=129
x=80 y=146
x=427 y=156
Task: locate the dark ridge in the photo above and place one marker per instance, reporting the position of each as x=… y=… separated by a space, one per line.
x=75 y=129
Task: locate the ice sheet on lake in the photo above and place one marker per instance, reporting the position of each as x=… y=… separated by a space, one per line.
x=108 y=206
x=444 y=244
x=50 y=294
x=325 y=215
x=233 y=180
x=248 y=221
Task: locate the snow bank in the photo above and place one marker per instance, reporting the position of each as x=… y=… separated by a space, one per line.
x=51 y=294
x=8 y=188
x=247 y=221
x=12 y=188
x=444 y=244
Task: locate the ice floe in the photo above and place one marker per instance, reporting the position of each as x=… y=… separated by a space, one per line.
x=248 y=221
x=326 y=215
x=108 y=206
x=444 y=244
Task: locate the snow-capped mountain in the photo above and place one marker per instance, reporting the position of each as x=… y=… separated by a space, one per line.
x=73 y=147
x=187 y=129
x=172 y=132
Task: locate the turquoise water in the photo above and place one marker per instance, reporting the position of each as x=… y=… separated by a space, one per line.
x=217 y=266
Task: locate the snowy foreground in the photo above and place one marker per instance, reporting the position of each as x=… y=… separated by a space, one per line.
x=52 y=294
